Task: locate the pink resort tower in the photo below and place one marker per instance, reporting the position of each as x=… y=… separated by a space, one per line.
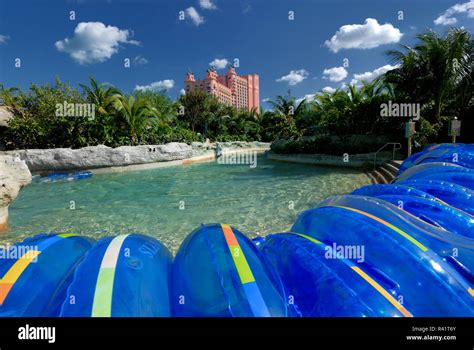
x=240 y=91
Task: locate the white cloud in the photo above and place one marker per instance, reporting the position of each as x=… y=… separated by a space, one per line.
x=194 y=16
x=363 y=36
x=140 y=60
x=335 y=74
x=3 y=38
x=369 y=76
x=94 y=42
x=156 y=86
x=266 y=100
x=182 y=92
x=308 y=98
x=447 y=17
x=294 y=77
x=328 y=89
x=219 y=63
x=207 y=5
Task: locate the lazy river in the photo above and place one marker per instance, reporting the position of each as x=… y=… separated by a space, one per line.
x=168 y=203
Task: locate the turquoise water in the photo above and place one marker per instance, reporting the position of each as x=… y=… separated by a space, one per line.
x=168 y=203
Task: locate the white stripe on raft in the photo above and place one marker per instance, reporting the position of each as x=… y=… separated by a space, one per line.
x=111 y=254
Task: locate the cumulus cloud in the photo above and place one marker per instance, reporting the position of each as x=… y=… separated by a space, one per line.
x=166 y=84
x=194 y=16
x=3 y=38
x=140 y=60
x=94 y=42
x=335 y=74
x=294 y=77
x=219 y=63
x=308 y=98
x=328 y=89
x=363 y=36
x=182 y=92
x=369 y=76
x=447 y=18
x=207 y=5
x=266 y=100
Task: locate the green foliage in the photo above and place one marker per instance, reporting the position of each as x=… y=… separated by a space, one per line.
x=198 y=108
x=137 y=115
x=435 y=70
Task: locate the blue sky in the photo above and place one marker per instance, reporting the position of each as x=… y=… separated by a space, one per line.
x=305 y=54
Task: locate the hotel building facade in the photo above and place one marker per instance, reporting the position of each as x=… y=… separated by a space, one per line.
x=240 y=91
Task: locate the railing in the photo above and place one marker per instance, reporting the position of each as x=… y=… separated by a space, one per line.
x=396 y=147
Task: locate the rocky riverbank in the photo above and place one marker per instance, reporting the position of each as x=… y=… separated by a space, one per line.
x=59 y=159
x=14 y=174
x=131 y=157
x=202 y=148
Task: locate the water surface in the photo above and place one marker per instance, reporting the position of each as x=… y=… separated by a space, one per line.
x=168 y=203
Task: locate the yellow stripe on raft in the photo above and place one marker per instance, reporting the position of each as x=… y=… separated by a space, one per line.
x=240 y=262
x=19 y=266
x=382 y=291
x=368 y=279
x=389 y=225
x=15 y=271
x=66 y=235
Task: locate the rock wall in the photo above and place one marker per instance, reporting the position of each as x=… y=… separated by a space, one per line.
x=14 y=174
x=200 y=148
x=57 y=159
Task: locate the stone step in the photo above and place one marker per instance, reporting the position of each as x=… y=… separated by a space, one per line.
x=396 y=163
x=386 y=174
x=379 y=177
x=373 y=180
x=393 y=170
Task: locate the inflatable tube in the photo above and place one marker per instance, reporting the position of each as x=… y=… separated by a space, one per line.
x=123 y=276
x=424 y=170
x=322 y=286
x=400 y=257
x=59 y=177
x=406 y=227
x=455 y=195
x=383 y=190
x=424 y=206
x=219 y=272
x=460 y=154
x=80 y=175
x=427 y=168
x=435 y=213
x=457 y=250
x=36 y=273
x=463 y=179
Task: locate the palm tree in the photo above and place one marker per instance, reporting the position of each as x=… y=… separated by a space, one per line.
x=287 y=111
x=434 y=67
x=286 y=106
x=136 y=113
x=102 y=95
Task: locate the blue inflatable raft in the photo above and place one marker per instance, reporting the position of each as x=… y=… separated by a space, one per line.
x=218 y=272
x=124 y=276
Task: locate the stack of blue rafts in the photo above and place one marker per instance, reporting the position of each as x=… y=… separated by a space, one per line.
x=404 y=249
